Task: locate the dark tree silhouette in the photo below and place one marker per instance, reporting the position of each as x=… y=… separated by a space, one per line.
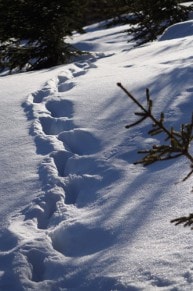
x=32 y=32
x=152 y=17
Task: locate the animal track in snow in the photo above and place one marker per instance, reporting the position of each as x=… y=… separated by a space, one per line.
x=60 y=160
x=79 y=240
x=44 y=207
x=78 y=175
x=84 y=66
x=69 y=179
x=48 y=89
x=36 y=260
x=65 y=86
x=81 y=186
x=38 y=96
x=81 y=165
x=80 y=141
x=58 y=139
x=60 y=108
x=43 y=145
x=79 y=73
x=7 y=241
x=54 y=126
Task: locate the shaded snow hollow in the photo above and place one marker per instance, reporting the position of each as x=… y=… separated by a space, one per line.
x=76 y=214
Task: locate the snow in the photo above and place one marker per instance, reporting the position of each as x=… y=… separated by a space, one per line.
x=189 y=3
x=76 y=213
x=178 y=30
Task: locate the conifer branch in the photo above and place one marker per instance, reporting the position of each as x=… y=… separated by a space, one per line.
x=135 y=123
x=185 y=220
x=178 y=143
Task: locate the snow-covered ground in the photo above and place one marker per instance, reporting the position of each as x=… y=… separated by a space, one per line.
x=75 y=213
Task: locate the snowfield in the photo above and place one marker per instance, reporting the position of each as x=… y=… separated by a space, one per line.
x=76 y=213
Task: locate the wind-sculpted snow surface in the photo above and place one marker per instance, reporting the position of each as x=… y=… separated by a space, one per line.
x=92 y=220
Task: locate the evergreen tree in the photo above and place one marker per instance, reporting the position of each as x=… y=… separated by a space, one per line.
x=153 y=16
x=105 y=9
x=32 y=32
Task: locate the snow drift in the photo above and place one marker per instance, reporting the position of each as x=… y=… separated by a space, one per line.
x=179 y=30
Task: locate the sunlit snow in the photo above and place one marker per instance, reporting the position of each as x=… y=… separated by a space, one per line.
x=76 y=213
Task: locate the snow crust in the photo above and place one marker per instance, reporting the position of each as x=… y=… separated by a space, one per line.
x=76 y=214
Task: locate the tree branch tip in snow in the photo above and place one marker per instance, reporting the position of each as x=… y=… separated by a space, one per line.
x=178 y=142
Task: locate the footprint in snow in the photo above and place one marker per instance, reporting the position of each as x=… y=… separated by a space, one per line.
x=39 y=95
x=81 y=190
x=65 y=86
x=60 y=160
x=8 y=240
x=80 y=141
x=60 y=108
x=54 y=126
x=79 y=240
x=36 y=259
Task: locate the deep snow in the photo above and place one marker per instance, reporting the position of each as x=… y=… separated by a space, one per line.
x=76 y=214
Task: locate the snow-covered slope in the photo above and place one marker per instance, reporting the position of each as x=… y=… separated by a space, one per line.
x=76 y=214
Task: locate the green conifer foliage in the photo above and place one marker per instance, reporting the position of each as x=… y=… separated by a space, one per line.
x=177 y=142
x=153 y=16
x=32 y=32
x=98 y=10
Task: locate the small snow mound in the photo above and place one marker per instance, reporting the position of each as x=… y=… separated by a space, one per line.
x=179 y=30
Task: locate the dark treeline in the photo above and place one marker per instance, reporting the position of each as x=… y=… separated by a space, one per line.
x=32 y=33
x=105 y=9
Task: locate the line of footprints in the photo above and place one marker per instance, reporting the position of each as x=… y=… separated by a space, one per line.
x=66 y=170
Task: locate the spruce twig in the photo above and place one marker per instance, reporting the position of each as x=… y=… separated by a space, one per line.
x=178 y=142
x=185 y=220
